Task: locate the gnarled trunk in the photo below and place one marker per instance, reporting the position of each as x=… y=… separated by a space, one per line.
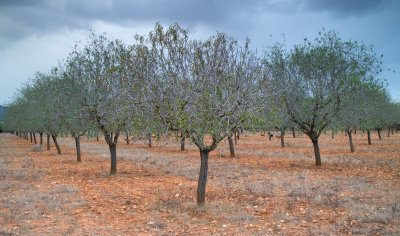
x=202 y=182
x=78 y=149
x=231 y=147
x=56 y=143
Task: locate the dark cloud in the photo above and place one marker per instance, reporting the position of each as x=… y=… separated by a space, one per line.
x=23 y=18
x=347 y=8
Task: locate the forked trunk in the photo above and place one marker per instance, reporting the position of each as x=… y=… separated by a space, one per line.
x=316 y=152
x=350 y=140
x=48 y=141
x=369 y=136
x=78 y=149
x=231 y=147
x=282 y=138
x=183 y=143
x=201 y=185
x=56 y=143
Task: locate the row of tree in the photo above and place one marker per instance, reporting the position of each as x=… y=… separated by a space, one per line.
x=167 y=82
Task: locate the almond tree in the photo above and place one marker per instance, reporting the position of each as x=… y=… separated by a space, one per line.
x=315 y=77
x=76 y=119
x=201 y=88
x=103 y=68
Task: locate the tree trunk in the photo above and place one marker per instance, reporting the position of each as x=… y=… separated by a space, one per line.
x=127 y=139
x=41 y=138
x=48 y=141
x=113 y=152
x=56 y=143
x=235 y=137
x=34 y=138
x=238 y=134
x=201 y=185
x=294 y=133
x=388 y=131
x=379 y=133
x=78 y=149
x=355 y=130
x=269 y=136
x=112 y=142
x=97 y=137
x=369 y=136
x=231 y=147
x=183 y=143
x=30 y=134
x=316 y=152
x=149 y=140
x=333 y=134
x=350 y=140
x=282 y=138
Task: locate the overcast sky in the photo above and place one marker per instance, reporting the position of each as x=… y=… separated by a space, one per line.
x=36 y=34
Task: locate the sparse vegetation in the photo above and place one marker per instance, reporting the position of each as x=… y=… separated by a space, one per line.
x=263 y=193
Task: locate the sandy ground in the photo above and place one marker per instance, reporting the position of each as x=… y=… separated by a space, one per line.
x=264 y=190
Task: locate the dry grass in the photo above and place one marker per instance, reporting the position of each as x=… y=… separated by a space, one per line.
x=266 y=189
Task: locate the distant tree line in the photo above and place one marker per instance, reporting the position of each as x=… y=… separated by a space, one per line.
x=167 y=82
